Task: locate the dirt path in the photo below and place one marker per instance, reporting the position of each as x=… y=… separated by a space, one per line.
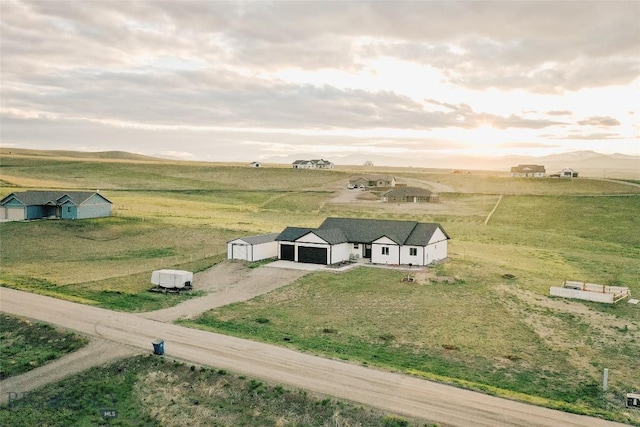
x=226 y=283
x=97 y=352
x=388 y=391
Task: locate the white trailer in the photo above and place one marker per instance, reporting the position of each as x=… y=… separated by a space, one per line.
x=172 y=279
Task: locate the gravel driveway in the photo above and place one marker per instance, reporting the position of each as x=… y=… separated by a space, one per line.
x=226 y=283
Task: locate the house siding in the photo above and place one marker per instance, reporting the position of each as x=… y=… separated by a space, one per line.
x=377 y=255
x=406 y=257
x=339 y=253
x=93 y=207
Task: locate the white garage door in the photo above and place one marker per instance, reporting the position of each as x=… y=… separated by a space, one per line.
x=14 y=214
x=239 y=251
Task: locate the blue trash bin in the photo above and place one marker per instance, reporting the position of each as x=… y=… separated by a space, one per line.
x=158 y=347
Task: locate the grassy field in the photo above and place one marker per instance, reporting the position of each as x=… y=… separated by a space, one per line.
x=26 y=345
x=151 y=391
x=482 y=330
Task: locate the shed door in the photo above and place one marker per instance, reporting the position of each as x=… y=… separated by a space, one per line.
x=239 y=251
x=312 y=255
x=287 y=252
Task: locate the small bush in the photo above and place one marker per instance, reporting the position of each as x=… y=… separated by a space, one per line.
x=391 y=421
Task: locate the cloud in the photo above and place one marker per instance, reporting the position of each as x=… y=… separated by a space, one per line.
x=201 y=69
x=600 y=121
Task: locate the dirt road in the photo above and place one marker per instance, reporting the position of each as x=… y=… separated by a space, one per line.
x=396 y=393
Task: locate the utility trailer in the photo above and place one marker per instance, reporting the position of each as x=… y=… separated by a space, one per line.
x=171 y=280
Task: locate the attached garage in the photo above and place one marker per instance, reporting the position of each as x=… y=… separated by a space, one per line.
x=311 y=246
x=254 y=248
x=312 y=255
x=12 y=213
x=288 y=252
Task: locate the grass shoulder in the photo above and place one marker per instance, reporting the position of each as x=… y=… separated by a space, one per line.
x=154 y=391
x=26 y=345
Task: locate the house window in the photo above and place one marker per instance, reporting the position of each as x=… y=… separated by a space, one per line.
x=68 y=208
x=413 y=251
x=385 y=250
x=356 y=246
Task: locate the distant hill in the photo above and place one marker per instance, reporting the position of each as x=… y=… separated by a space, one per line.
x=587 y=163
x=106 y=155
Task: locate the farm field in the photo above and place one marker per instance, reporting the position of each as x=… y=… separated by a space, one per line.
x=462 y=322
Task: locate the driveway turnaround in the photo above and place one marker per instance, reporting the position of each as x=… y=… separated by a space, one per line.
x=400 y=394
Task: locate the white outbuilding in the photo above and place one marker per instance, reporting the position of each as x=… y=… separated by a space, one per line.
x=253 y=248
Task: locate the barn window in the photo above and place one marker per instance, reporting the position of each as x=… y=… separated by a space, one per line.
x=68 y=208
x=385 y=250
x=413 y=251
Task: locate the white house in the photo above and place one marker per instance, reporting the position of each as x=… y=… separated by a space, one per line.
x=379 y=241
x=312 y=164
x=253 y=248
x=567 y=173
x=528 y=171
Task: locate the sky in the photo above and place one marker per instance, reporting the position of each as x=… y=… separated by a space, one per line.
x=347 y=81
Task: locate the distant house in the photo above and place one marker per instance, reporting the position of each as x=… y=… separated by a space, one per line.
x=566 y=173
x=253 y=248
x=379 y=241
x=54 y=205
x=528 y=171
x=312 y=164
x=255 y=164
x=410 y=195
x=373 y=181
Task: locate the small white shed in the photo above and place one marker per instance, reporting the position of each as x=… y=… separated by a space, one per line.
x=171 y=279
x=253 y=248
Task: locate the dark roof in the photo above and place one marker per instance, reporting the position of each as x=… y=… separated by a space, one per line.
x=368 y=230
x=387 y=178
x=290 y=234
x=408 y=191
x=423 y=232
x=40 y=198
x=356 y=230
x=262 y=238
x=329 y=235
